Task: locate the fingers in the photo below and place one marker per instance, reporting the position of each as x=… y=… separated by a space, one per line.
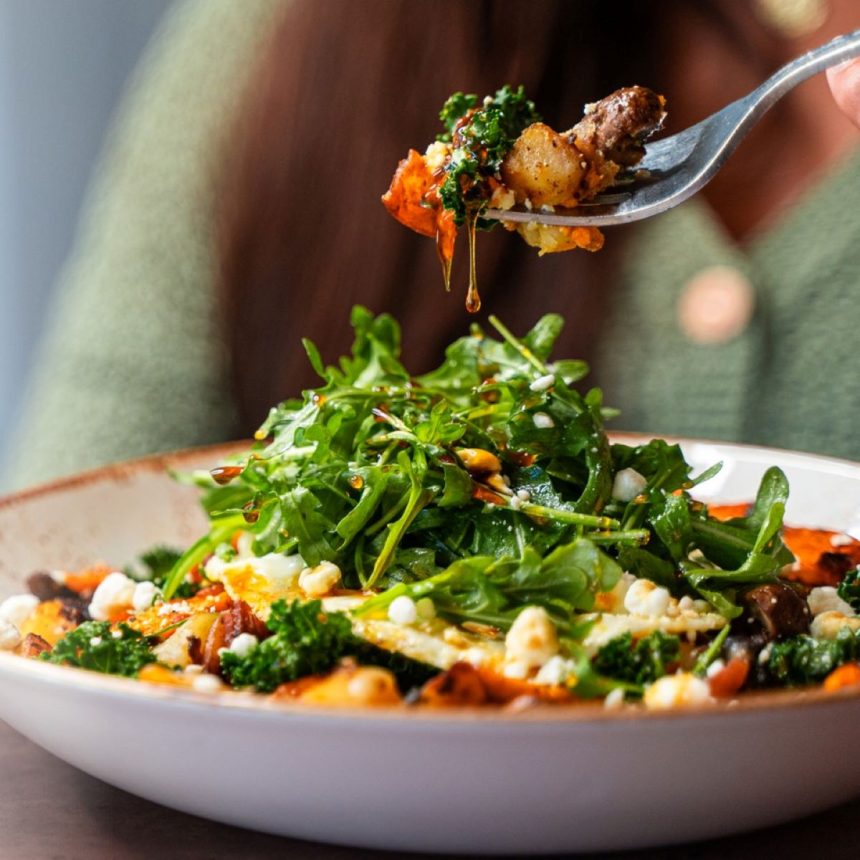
x=844 y=82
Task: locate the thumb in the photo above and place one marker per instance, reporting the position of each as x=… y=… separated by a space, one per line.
x=844 y=83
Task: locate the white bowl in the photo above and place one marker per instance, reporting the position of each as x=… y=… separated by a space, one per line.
x=572 y=779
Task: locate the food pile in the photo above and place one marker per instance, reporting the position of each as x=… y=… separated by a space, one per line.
x=466 y=537
x=496 y=153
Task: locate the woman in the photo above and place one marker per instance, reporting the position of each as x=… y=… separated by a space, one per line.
x=237 y=210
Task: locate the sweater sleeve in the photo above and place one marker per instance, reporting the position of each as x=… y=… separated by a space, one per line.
x=132 y=362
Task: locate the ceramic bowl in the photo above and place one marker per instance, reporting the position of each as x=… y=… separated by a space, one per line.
x=571 y=779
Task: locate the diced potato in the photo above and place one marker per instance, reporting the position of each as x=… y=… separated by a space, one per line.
x=543 y=167
x=551 y=239
x=175 y=650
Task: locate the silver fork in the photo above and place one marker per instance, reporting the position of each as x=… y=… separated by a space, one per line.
x=676 y=167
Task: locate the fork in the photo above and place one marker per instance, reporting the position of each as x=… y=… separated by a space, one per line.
x=676 y=167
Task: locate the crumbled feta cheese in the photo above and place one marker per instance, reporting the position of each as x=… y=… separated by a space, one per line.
x=194 y=668
x=555 y=671
x=502 y=198
x=10 y=636
x=95 y=640
x=18 y=608
x=403 y=610
x=826 y=599
x=114 y=594
x=244 y=644
x=543 y=421
x=677 y=691
x=524 y=495
x=613 y=601
x=542 y=383
x=685 y=603
x=320 y=580
x=181 y=606
x=144 y=596
x=517 y=670
x=614 y=699
x=206 y=684
x=515 y=503
x=425 y=608
x=841 y=540
x=436 y=155
x=475 y=656
x=715 y=668
x=646 y=598
x=828 y=624
x=628 y=484
x=532 y=638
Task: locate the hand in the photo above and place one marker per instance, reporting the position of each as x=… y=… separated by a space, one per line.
x=844 y=83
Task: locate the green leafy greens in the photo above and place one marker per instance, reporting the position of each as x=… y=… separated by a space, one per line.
x=96 y=646
x=637 y=662
x=304 y=641
x=375 y=471
x=481 y=136
x=849 y=588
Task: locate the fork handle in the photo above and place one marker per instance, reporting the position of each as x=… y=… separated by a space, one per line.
x=844 y=47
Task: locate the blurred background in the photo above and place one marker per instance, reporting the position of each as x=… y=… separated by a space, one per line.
x=63 y=68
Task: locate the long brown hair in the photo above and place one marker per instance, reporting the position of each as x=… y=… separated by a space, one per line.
x=342 y=90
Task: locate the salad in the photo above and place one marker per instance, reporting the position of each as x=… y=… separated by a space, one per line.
x=496 y=153
x=470 y=536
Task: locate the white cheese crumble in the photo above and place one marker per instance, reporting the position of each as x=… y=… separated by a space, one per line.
x=206 y=684
x=677 y=691
x=243 y=644
x=144 y=596
x=647 y=598
x=555 y=671
x=543 y=421
x=10 y=636
x=532 y=639
x=614 y=699
x=18 y=608
x=826 y=599
x=436 y=155
x=828 y=624
x=841 y=540
x=542 y=383
x=114 y=594
x=320 y=580
x=403 y=610
x=628 y=484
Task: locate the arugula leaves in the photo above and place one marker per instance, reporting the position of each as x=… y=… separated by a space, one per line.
x=369 y=471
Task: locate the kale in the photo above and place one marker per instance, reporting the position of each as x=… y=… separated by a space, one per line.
x=95 y=646
x=480 y=143
x=456 y=106
x=802 y=660
x=305 y=640
x=849 y=588
x=640 y=662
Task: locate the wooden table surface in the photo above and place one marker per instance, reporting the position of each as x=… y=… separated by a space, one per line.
x=50 y=811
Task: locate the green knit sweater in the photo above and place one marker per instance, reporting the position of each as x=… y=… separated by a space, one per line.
x=133 y=363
